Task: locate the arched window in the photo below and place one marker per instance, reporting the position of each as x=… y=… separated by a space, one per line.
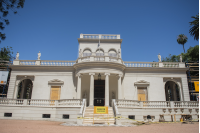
x=112 y=53
x=172 y=91
x=99 y=52
x=87 y=52
x=25 y=89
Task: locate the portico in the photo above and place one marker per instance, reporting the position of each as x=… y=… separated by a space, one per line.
x=110 y=91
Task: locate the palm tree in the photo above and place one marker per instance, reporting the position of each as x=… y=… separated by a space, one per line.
x=182 y=39
x=194 y=31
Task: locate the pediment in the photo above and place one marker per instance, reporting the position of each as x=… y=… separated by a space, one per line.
x=141 y=82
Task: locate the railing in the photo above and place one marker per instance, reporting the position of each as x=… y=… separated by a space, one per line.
x=83 y=106
x=114 y=106
x=101 y=36
x=42 y=102
x=141 y=64
x=182 y=104
x=112 y=59
x=70 y=102
x=170 y=64
x=85 y=59
x=46 y=62
x=156 y=104
x=11 y=101
x=27 y=62
x=57 y=63
x=99 y=58
x=127 y=103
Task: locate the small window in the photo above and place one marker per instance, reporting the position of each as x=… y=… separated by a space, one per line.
x=46 y=115
x=131 y=117
x=7 y=114
x=148 y=117
x=65 y=116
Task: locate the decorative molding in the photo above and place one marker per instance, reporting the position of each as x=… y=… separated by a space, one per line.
x=141 y=82
x=174 y=79
x=55 y=82
x=107 y=74
x=79 y=75
x=119 y=75
x=22 y=77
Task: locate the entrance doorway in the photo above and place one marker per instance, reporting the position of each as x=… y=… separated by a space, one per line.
x=25 y=89
x=172 y=92
x=99 y=92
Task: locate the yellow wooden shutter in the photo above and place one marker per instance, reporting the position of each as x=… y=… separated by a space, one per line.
x=55 y=93
x=141 y=97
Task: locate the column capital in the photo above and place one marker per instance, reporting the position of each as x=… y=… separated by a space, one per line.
x=119 y=75
x=79 y=75
x=107 y=74
x=91 y=73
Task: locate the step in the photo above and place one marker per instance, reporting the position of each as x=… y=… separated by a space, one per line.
x=89 y=114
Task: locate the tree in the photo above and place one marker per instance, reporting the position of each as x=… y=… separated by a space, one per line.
x=5 y=7
x=182 y=39
x=194 y=31
x=6 y=54
x=191 y=55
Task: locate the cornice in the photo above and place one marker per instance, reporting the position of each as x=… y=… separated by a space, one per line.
x=42 y=68
x=99 y=64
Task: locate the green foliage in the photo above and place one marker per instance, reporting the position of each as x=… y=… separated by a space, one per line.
x=194 y=31
x=191 y=55
x=5 y=7
x=182 y=39
x=6 y=53
x=171 y=58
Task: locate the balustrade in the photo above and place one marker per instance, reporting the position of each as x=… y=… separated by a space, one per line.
x=170 y=64
x=11 y=101
x=70 y=102
x=182 y=104
x=57 y=63
x=27 y=62
x=101 y=36
x=156 y=104
x=40 y=102
x=141 y=64
x=127 y=103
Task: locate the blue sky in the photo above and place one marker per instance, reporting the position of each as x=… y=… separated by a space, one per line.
x=147 y=27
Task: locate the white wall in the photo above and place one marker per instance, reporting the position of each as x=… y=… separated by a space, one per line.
x=41 y=88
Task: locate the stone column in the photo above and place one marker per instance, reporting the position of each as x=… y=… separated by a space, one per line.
x=22 y=90
x=79 y=86
x=120 y=86
x=16 y=89
x=91 y=103
x=107 y=89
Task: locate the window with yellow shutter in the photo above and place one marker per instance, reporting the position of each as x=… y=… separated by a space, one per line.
x=55 y=93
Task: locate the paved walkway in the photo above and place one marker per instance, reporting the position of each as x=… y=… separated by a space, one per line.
x=28 y=126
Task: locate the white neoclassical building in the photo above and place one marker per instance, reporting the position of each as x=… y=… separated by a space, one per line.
x=65 y=90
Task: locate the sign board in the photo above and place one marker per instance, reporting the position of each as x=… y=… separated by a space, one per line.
x=100 y=110
x=196 y=86
x=3 y=77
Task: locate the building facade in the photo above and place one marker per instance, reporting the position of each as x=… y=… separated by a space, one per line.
x=99 y=75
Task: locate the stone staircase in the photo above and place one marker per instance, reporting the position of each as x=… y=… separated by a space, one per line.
x=89 y=114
